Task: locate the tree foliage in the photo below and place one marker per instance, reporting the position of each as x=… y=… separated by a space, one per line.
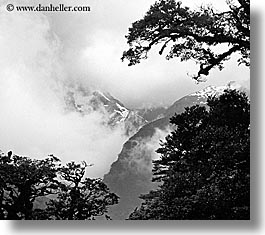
x=192 y=35
x=69 y=195
x=79 y=198
x=204 y=168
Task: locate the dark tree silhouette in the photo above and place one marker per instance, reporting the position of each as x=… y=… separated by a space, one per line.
x=22 y=180
x=204 y=168
x=80 y=199
x=66 y=193
x=192 y=35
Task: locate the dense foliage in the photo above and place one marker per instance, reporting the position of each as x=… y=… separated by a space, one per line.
x=192 y=34
x=204 y=168
x=66 y=195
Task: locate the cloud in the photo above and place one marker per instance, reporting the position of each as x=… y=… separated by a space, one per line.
x=33 y=120
x=155 y=80
x=144 y=151
x=42 y=52
x=92 y=44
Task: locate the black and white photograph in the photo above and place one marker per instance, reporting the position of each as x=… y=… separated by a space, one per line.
x=125 y=110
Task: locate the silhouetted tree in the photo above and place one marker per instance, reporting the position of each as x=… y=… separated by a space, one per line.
x=68 y=195
x=22 y=180
x=80 y=199
x=192 y=35
x=204 y=168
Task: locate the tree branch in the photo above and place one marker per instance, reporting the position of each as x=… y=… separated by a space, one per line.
x=215 y=61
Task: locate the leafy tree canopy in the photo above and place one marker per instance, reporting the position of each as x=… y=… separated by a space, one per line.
x=192 y=35
x=67 y=194
x=204 y=168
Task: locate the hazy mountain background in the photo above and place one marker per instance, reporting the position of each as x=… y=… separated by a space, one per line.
x=128 y=172
x=130 y=175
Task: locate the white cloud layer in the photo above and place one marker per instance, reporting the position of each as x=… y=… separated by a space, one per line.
x=33 y=121
x=40 y=52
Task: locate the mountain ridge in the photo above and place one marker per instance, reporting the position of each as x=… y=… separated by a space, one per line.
x=115 y=113
x=124 y=177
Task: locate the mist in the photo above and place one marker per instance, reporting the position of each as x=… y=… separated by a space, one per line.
x=33 y=119
x=43 y=53
x=91 y=45
x=144 y=153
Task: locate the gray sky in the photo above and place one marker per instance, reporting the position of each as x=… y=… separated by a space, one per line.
x=39 y=52
x=92 y=45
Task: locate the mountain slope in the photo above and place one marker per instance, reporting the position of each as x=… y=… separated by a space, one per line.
x=131 y=174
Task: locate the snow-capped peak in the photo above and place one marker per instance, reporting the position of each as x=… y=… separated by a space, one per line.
x=214 y=90
x=112 y=110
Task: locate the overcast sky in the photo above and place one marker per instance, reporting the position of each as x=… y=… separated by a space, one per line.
x=93 y=44
x=90 y=46
x=39 y=52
